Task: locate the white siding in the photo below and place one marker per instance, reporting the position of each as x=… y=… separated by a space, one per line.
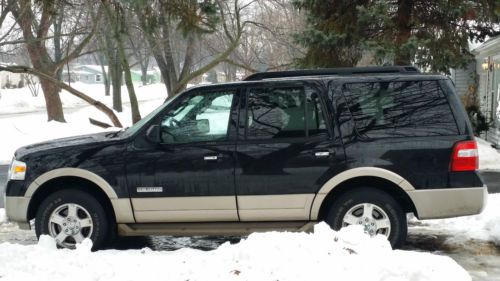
x=463 y=78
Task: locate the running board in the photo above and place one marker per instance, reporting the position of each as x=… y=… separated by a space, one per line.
x=216 y=228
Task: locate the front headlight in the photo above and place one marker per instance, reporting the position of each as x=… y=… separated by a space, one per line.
x=17 y=170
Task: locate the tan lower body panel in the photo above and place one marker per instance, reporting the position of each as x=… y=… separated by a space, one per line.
x=123 y=210
x=185 y=209
x=292 y=207
x=17 y=210
x=227 y=228
x=449 y=202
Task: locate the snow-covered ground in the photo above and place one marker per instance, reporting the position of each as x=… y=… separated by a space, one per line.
x=32 y=127
x=489 y=157
x=22 y=101
x=482 y=227
x=324 y=255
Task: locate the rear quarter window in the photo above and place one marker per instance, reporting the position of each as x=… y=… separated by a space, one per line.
x=399 y=109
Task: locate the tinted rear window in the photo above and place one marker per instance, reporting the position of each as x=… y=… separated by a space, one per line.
x=399 y=109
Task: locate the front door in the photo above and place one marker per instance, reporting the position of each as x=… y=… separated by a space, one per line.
x=189 y=176
x=286 y=153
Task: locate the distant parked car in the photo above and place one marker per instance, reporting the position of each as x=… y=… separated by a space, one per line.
x=278 y=151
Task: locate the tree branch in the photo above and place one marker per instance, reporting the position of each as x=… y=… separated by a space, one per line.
x=99 y=105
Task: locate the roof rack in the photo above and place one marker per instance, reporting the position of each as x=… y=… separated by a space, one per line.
x=333 y=71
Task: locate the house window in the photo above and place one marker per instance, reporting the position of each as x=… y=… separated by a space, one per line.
x=98 y=78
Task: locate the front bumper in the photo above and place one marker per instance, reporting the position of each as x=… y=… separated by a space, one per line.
x=449 y=202
x=16 y=209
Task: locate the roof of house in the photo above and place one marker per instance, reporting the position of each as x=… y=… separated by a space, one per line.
x=491 y=45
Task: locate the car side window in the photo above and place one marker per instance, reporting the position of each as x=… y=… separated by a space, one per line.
x=198 y=117
x=315 y=119
x=274 y=113
x=399 y=109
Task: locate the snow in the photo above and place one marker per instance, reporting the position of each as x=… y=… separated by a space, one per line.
x=489 y=157
x=484 y=227
x=3 y=216
x=21 y=100
x=323 y=255
x=32 y=127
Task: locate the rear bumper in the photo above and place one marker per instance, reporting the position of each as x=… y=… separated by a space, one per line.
x=449 y=202
x=16 y=209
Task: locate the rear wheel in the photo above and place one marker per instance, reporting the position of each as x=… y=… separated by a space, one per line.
x=70 y=216
x=376 y=211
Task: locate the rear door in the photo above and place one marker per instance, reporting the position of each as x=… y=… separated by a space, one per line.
x=285 y=151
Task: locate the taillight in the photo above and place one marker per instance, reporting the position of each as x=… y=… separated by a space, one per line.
x=465 y=157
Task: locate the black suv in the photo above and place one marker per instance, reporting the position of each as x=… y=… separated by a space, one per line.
x=277 y=151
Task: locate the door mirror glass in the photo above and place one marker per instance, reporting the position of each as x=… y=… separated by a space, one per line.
x=153 y=134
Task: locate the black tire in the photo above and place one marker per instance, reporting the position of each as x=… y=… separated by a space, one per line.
x=350 y=199
x=89 y=205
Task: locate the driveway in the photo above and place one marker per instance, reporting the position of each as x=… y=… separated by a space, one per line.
x=492 y=180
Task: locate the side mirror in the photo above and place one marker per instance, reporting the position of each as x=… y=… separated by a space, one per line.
x=153 y=134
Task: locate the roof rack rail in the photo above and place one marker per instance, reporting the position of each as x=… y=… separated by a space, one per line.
x=333 y=71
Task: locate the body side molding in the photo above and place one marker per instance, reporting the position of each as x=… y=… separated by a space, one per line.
x=356 y=173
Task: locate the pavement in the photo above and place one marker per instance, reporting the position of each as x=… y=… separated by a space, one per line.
x=491 y=178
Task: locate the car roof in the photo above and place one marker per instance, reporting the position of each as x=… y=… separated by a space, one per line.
x=325 y=78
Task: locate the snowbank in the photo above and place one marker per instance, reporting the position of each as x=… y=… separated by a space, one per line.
x=489 y=157
x=325 y=255
x=485 y=226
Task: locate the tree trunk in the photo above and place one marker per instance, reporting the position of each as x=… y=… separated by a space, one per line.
x=100 y=60
x=134 y=106
x=144 y=74
x=403 y=23
x=52 y=101
x=116 y=82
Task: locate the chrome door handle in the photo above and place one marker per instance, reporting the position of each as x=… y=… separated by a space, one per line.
x=321 y=153
x=210 y=157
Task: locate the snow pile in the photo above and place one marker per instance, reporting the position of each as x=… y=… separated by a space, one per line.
x=325 y=255
x=485 y=226
x=489 y=157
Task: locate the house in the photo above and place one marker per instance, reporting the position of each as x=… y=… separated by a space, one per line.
x=152 y=76
x=488 y=70
x=92 y=74
x=11 y=80
x=464 y=79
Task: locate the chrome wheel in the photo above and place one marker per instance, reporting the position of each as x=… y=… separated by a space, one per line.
x=373 y=219
x=69 y=224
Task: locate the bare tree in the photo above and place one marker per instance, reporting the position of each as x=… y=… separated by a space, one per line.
x=162 y=21
x=116 y=17
x=35 y=20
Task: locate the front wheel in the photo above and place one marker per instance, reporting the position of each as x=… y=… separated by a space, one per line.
x=376 y=211
x=70 y=216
